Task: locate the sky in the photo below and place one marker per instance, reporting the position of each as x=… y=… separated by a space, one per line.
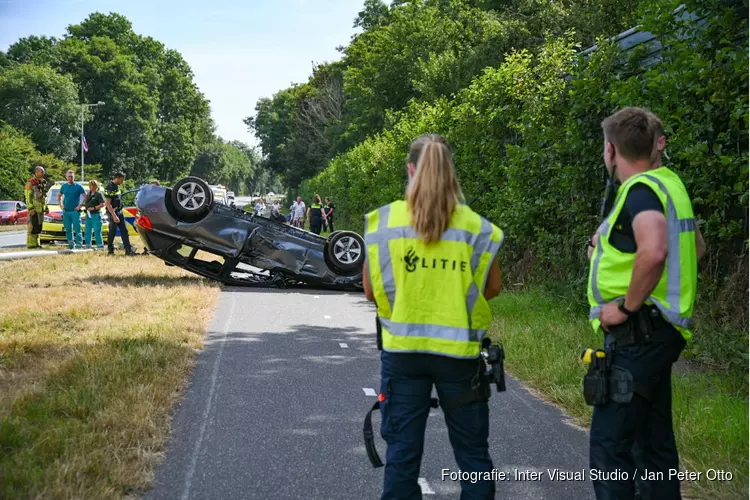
x=239 y=51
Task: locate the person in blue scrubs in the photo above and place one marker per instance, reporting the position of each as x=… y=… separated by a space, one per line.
x=72 y=195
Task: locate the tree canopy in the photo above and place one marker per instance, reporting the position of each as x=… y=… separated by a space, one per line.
x=155 y=122
x=412 y=50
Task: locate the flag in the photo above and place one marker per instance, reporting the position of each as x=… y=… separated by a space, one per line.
x=85 y=144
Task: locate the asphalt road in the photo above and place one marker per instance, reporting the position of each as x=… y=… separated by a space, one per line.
x=13 y=239
x=275 y=406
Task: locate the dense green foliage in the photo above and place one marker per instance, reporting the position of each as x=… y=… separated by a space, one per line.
x=45 y=104
x=155 y=123
x=17 y=153
x=528 y=149
x=413 y=50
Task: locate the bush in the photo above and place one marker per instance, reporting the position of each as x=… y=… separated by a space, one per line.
x=529 y=145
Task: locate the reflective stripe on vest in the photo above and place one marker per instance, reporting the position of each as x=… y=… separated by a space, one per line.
x=670 y=306
x=410 y=336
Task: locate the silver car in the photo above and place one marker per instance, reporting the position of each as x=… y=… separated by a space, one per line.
x=185 y=227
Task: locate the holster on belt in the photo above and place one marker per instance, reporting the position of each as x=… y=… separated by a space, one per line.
x=638 y=328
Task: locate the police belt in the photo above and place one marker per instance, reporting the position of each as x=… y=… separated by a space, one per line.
x=639 y=328
x=480 y=391
x=606 y=380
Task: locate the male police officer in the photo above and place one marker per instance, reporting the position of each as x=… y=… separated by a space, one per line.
x=113 y=204
x=36 y=201
x=642 y=286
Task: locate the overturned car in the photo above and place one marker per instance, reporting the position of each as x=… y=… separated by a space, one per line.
x=185 y=227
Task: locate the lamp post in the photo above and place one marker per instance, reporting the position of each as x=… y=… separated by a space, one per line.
x=84 y=106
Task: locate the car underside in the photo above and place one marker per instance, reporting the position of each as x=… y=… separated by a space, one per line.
x=184 y=227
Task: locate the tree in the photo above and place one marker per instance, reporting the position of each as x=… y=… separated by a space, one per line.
x=155 y=119
x=298 y=128
x=413 y=52
x=374 y=14
x=15 y=151
x=227 y=163
x=44 y=104
x=40 y=50
x=18 y=157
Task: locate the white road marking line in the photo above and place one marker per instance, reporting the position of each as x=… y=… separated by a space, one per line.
x=369 y=392
x=426 y=490
x=326 y=317
x=316 y=296
x=207 y=409
x=343 y=345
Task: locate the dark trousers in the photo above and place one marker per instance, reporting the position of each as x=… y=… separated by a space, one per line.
x=329 y=223
x=638 y=435
x=406 y=381
x=316 y=224
x=123 y=233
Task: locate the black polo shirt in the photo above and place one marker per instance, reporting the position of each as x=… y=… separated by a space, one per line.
x=640 y=198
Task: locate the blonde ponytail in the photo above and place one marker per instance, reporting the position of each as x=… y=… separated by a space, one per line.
x=433 y=192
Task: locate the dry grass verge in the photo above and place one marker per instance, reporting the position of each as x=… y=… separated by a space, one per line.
x=94 y=352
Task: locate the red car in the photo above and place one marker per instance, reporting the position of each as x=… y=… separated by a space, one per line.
x=13 y=212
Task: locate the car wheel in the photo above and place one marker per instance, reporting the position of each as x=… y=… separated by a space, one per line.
x=192 y=197
x=15 y=222
x=346 y=250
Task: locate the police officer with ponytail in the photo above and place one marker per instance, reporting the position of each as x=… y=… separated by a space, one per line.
x=315 y=215
x=431 y=268
x=642 y=287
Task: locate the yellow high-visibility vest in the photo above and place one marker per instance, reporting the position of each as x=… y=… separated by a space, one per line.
x=610 y=270
x=430 y=297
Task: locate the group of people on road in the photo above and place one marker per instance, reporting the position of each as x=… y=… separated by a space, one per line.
x=319 y=216
x=433 y=318
x=73 y=199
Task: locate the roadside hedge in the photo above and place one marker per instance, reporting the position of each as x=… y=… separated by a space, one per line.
x=528 y=152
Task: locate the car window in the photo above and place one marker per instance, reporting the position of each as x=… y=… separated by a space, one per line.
x=52 y=197
x=23 y=206
x=6 y=206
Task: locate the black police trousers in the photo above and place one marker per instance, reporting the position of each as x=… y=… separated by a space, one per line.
x=638 y=436
x=316 y=224
x=123 y=226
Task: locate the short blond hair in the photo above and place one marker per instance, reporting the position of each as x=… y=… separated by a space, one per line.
x=94 y=183
x=634 y=132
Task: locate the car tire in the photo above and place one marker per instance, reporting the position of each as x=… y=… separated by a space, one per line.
x=346 y=250
x=192 y=198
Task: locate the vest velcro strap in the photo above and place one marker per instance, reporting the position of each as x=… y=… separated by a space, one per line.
x=372 y=451
x=369 y=435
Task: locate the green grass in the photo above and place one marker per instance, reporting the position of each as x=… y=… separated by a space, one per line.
x=88 y=380
x=543 y=338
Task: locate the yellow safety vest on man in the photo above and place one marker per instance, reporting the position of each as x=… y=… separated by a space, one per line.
x=430 y=297
x=610 y=270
